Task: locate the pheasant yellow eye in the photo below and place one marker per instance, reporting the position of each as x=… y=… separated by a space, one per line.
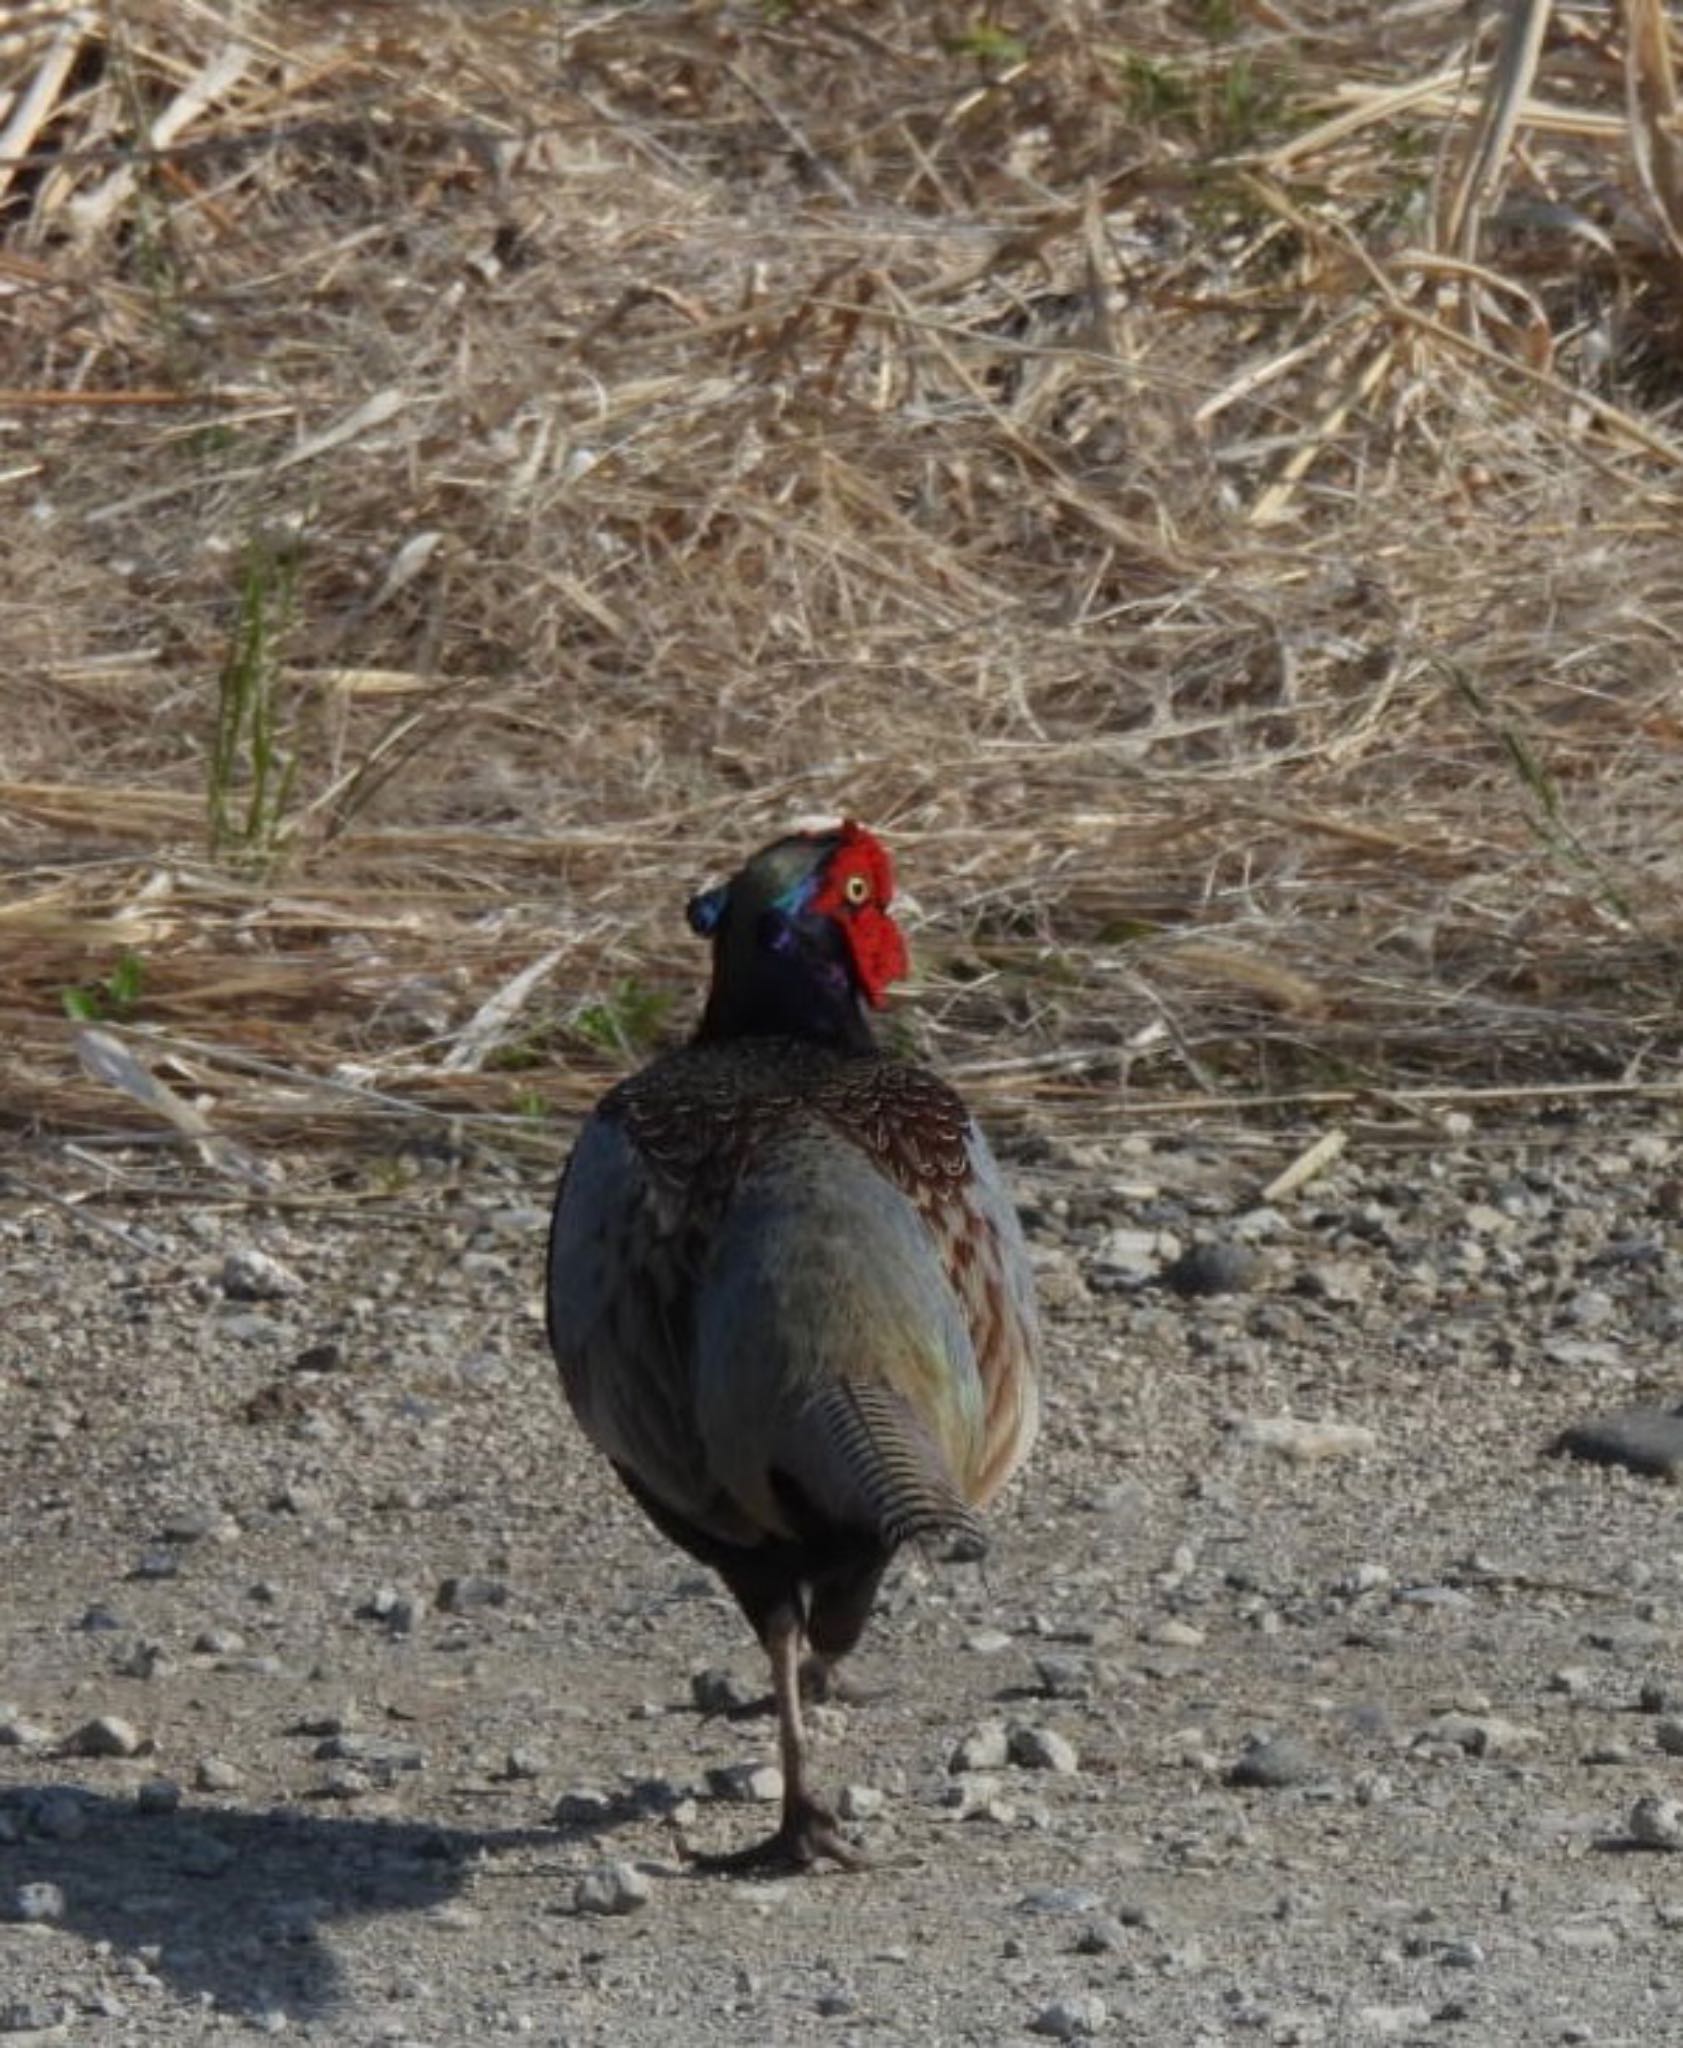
x=856 y=889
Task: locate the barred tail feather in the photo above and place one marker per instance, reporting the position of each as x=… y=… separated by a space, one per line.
x=861 y=1457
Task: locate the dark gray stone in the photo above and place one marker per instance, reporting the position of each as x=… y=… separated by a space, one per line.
x=1218 y=1268
x=1643 y=1439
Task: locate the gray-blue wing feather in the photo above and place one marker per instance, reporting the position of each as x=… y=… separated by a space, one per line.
x=622 y=1272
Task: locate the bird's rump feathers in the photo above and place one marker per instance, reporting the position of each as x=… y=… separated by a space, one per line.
x=836 y=1385
x=747 y=1228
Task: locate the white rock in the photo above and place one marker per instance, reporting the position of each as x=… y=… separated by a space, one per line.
x=18 y=1733
x=107 y=1735
x=250 y=1275
x=747 y=1784
x=1479 y=1734
x=1173 y=1634
x=1043 y=1749
x=1656 y=1822
x=1365 y=1578
x=976 y=1795
x=1306 y=1441
x=611 y=1888
x=1138 y=1255
x=1076 y=2018
x=985 y=1748
x=988 y=1642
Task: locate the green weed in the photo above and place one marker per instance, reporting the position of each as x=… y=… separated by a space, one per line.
x=250 y=774
x=113 y=1000
x=1224 y=108
x=627 y=1021
x=989 y=44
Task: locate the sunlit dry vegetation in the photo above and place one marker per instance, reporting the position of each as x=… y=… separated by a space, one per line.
x=1204 y=479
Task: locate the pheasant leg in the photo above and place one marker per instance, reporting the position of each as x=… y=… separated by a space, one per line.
x=808 y=1830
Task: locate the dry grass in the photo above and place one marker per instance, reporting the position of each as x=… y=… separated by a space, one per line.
x=1205 y=481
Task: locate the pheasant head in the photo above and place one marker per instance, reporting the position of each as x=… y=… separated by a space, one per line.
x=804 y=945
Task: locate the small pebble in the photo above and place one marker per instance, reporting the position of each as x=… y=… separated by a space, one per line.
x=216 y=1774
x=58 y=1813
x=1479 y=1734
x=470 y=1593
x=1668 y=1733
x=1064 y=1678
x=107 y=1735
x=1460 y=1955
x=190 y=1525
x=988 y=1642
x=1043 y=1749
x=156 y=1564
x=1342 y=1282
x=1272 y=1762
x=35 y=1902
x=1077 y=2017
x=1132 y=1258
x=1173 y=1633
x=1365 y=1578
x=976 y=1795
x=611 y=1888
x=1644 y=1439
x=344 y=1781
x=250 y=1275
x=18 y=1733
x=1656 y=1822
x=985 y=1748
x=379 y=1755
x=746 y=1784
x=582 y=1806
x=325 y=1721
x=386 y=1604
x=1450 y=1599
x=860 y=1802
x=1101 y=1937
x=1057 y=1899
x=718 y=1691
x=1306 y=1441
x=1217 y=1268
x=218 y=1642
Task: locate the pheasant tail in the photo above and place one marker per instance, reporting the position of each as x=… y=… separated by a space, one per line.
x=861 y=1454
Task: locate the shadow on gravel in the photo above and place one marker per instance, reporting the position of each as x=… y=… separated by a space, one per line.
x=233 y=1907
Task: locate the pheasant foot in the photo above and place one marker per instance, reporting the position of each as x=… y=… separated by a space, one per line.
x=808 y=1834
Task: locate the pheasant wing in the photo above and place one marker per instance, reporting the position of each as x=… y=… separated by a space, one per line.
x=624 y=1250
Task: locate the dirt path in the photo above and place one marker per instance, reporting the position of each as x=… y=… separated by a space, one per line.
x=336 y=1562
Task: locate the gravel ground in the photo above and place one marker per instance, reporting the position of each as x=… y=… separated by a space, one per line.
x=1304 y=1698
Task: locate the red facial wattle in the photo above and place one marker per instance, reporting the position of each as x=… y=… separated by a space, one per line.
x=855 y=892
